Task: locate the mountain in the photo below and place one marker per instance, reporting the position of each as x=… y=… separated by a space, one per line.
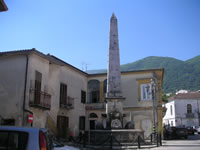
x=178 y=74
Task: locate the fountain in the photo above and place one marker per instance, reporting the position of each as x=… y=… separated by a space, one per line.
x=115 y=129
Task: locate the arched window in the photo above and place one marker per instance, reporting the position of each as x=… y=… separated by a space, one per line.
x=93 y=91
x=93 y=115
x=189 y=108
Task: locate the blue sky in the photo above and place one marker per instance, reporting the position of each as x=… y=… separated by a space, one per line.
x=77 y=31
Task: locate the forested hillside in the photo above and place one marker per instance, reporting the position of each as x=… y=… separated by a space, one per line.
x=178 y=74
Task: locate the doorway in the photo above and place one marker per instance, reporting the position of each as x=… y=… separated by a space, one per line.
x=62 y=126
x=92 y=124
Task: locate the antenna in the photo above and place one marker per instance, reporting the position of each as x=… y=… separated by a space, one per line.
x=84 y=66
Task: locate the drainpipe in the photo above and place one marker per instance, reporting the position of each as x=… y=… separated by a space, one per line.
x=25 y=83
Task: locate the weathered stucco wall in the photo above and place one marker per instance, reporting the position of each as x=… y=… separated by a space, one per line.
x=12 y=74
x=37 y=63
x=12 y=90
x=130 y=89
x=75 y=83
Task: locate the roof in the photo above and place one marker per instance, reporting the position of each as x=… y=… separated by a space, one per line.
x=3 y=6
x=188 y=96
x=55 y=60
x=134 y=71
x=49 y=57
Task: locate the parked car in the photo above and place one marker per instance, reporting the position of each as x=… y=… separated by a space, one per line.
x=198 y=130
x=175 y=133
x=191 y=130
x=24 y=138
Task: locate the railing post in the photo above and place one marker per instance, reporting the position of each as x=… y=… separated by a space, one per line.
x=138 y=141
x=111 y=141
x=84 y=140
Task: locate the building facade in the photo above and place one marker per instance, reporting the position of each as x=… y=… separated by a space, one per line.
x=183 y=110
x=66 y=99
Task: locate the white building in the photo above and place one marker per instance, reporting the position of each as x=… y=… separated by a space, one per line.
x=182 y=91
x=183 y=110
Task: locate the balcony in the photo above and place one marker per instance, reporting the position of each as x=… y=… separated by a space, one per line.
x=67 y=103
x=40 y=99
x=95 y=106
x=189 y=115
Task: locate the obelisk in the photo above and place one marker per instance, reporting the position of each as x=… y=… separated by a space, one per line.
x=114 y=98
x=113 y=76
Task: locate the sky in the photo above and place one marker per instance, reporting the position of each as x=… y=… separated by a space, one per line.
x=77 y=31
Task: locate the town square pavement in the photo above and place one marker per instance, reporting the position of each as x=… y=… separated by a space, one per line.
x=192 y=143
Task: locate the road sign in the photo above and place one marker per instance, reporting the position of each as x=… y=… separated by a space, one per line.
x=30 y=118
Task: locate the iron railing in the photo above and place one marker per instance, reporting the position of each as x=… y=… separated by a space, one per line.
x=189 y=115
x=40 y=99
x=95 y=106
x=112 y=141
x=68 y=103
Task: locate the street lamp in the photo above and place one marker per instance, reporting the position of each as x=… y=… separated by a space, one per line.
x=154 y=90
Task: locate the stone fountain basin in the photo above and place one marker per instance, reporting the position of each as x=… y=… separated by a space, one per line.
x=118 y=135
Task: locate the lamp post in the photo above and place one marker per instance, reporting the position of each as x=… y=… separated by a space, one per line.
x=154 y=89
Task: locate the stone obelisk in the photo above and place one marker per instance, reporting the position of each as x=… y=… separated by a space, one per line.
x=114 y=98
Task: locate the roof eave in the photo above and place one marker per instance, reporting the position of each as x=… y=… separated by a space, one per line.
x=3 y=6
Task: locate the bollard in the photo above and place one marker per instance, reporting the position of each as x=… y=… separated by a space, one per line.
x=160 y=139
x=157 y=139
x=151 y=138
x=139 y=142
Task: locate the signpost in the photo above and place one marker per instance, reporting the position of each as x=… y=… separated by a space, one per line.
x=30 y=119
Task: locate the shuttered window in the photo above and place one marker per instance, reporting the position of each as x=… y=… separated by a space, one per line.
x=83 y=97
x=82 y=123
x=63 y=94
x=38 y=83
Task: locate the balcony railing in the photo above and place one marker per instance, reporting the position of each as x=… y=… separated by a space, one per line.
x=189 y=115
x=40 y=99
x=68 y=103
x=95 y=106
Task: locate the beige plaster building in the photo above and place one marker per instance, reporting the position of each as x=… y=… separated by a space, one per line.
x=64 y=98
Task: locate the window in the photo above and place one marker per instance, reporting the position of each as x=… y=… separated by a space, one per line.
x=171 y=110
x=38 y=80
x=172 y=124
x=93 y=91
x=13 y=140
x=63 y=94
x=189 y=108
x=82 y=123
x=146 y=92
x=83 y=97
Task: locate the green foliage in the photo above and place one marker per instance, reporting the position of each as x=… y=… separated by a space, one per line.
x=178 y=74
x=165 y=98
